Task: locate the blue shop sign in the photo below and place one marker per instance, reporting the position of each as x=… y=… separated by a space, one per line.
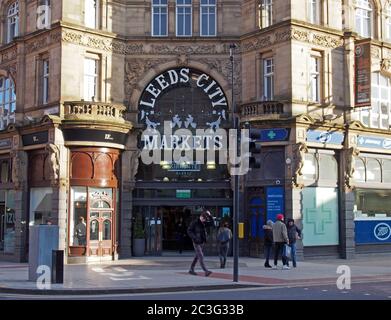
x=376 y=231
x=374 y=142
x=325 y=137
x=270 y=135
x=274 y=202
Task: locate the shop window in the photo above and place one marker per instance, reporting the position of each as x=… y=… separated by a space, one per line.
x=7 y=221
x=78 y=216
x=373 y=203
x=359 y=170
x=373 y=170
x=310 y=167
x=328 y=167
x=4 y=173
x=41 y=206
x=386 y=171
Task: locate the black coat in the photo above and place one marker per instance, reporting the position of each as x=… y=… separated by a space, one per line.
x=292 y=231
x=268 y=237
x=197 y=231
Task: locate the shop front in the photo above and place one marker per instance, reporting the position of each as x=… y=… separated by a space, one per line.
x=372 y=207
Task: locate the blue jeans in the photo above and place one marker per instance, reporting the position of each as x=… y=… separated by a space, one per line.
x=293 y=253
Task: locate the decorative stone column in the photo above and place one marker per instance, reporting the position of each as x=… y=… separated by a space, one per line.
x=129 y=163
x=19 y=179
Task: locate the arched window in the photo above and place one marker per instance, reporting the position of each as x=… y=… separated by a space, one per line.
x=388 y=21
x=314 y=10
x=364 y=18
x=310 y=167
x=359 y=170
x=328 y=167
x=373 y=171
x=7 y=102
x=12 y=21
x=386 y=171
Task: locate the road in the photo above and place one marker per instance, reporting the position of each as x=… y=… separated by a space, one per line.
x=358 y=291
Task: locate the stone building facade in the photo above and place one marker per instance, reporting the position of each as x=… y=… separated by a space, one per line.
x=81 y=79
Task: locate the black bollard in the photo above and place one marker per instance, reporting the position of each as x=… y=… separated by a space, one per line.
x=58 y=266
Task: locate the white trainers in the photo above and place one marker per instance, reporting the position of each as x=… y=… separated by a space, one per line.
x=286 y=268
x=275 y=267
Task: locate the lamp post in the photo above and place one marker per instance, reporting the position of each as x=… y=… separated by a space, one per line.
x=236 y=176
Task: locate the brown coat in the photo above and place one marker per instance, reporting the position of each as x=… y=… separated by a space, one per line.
x=280 y=233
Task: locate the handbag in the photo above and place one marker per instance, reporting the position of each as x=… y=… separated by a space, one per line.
x=287 y=252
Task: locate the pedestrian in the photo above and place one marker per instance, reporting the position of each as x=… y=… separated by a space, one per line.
x=224 y=235
x=268 y=241
x=280 y=238
x=294 y=233
x=197 y=233
x=180 y=230
x=81 y=231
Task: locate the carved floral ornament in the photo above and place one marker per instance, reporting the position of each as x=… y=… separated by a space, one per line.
x=302 y=35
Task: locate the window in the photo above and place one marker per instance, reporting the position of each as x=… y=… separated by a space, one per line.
x=208 y=17
x=310 y=167
x=7 y=102
x=386 y=171
x=268 y=79
x=7 y=221
x=359 y=170
x=364 y=18
x=314 y=11
x=91 y=13
x=328 y=167
x=183 y=18
x=43 y=14
x=13 y=21
x=159 y=18
x=379 y=114
x=388 y=21
x=314 y=84
x=90 y=79
x=265 y=13
x=40 y=206
x=45 y=81
x=373 y=171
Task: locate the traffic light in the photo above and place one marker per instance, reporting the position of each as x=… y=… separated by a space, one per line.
x=255 y=159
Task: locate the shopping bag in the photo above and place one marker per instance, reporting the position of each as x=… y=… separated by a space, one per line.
x=287 y=252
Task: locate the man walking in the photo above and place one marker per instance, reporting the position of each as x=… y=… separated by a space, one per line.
x=280 y=238
x=197 y=233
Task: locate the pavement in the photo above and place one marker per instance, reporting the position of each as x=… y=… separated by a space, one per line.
x=170 y=274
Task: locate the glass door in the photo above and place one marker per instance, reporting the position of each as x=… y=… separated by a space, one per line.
x=100 y=224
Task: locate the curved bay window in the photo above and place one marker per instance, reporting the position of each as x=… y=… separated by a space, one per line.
x=92 y=218
x=7 y=102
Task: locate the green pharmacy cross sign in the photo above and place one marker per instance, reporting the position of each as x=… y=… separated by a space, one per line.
x=269 y=135
x=318 y=217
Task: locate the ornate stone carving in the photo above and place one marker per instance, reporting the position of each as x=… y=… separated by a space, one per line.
x=350 y=153
x=54 y=161
x=18 y=165
x=385 y=66
x=134 y=163
x=135 y=69
x=8 y=55
x=299 y=151
x=185 y=49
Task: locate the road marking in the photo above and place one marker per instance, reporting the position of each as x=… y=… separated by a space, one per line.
x=120 y=269
x=124 y=274
x=305 y=288
x=126 y=279
x=367 y=294
x=325 y=290
x=98 y=270
x=344 y=292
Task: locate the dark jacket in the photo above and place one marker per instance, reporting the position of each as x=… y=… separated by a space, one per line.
x=268 y=237
x=292 y=231
x=197 y=231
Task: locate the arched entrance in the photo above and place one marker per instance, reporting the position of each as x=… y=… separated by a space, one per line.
x=185 y=114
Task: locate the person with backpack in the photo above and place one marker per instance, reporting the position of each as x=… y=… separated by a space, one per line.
x=294 y=233
x=268 y=241
x=224 y=235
